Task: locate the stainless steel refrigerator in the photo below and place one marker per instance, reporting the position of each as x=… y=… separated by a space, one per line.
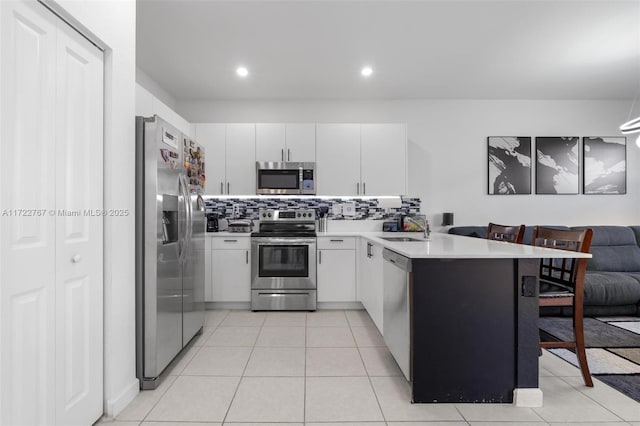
x=170 y=234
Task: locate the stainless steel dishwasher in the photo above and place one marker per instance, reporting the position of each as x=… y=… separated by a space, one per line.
x=396 y=308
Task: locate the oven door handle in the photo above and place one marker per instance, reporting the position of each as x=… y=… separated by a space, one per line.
x=282 y=240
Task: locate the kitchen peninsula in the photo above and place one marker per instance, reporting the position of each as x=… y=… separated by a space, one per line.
x=468 y=312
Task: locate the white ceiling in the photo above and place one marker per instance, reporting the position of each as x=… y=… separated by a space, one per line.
x=558 y=49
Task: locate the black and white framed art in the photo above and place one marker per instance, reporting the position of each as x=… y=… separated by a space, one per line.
x=604 y=165
x=509 y=165
x=557 y=165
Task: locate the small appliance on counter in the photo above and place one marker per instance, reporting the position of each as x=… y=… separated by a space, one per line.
x=239 y=226
x=390 y=226
x=212 y=222
x=415 y=223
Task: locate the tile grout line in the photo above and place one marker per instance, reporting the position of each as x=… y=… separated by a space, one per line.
x=304 y=383
x=592 y=399
x=373 y=389
x=180 y=373
x=224 y=419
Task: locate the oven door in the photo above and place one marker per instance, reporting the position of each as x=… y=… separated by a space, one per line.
x=283 y=263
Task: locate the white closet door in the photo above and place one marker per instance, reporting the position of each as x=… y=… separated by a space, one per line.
x=79 y=190
x=27 y=240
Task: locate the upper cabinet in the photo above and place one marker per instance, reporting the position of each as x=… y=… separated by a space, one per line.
x=286 y=142
x=229 y=151
x=241 y=159
x=338 y=159
x=148 y=105
x=212 y=136
x=367 y=159
x=383 y=159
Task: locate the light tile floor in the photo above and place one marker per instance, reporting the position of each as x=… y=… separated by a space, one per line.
x=329 y=367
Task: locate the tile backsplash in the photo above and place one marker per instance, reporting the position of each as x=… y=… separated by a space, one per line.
x=247 y=208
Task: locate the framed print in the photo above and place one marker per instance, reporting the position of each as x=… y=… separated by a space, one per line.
x=509 y=165
x=604 y=165
x=557 y=165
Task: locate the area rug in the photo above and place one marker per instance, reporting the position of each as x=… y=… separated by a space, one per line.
x=613 y=348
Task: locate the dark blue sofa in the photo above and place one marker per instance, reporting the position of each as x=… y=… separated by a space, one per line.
x=612 y=281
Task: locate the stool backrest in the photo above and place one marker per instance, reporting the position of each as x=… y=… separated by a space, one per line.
x=512 y=234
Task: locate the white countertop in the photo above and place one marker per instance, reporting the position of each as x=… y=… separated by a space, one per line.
x=448 y=246
x=442 y=246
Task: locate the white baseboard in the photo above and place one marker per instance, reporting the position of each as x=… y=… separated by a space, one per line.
x=527 y=397
x=114 y=406
x=246 y=305
x=340 y=305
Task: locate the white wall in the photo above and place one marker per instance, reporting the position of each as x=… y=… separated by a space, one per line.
x=113 y=23
x=448 y=150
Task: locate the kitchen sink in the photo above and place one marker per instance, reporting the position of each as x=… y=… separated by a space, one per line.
x=400 y=239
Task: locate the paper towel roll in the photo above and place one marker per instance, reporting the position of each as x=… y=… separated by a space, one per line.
x=390 y=203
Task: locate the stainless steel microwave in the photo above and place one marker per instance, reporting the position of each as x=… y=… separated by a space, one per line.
x=285 y=178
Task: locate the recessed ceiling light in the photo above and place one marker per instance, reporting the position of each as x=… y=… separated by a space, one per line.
x=366 y=71
x=242 y=71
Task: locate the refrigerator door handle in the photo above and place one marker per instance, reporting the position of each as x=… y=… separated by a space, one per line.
x=188 y=220
x=184 y=237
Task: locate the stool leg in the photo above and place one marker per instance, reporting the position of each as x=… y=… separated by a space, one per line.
x=578 y=331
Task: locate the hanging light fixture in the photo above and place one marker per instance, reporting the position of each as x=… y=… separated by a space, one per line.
x=632 y=126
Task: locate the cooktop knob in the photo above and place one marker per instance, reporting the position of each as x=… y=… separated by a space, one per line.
x=269 y=214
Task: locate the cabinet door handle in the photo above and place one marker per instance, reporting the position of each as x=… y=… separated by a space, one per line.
x=247 y=257
x=357 y=188
x=337 y=241
x=364 y=188
x=221 y=187
x=320 y=257
x=230 y=241
x=282 y=154
x=369 y=250
x=288 y=154
x=228 y=186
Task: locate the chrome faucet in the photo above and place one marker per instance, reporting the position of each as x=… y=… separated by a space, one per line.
x=424 y=228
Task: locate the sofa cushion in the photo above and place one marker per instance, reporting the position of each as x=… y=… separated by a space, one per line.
x=469 y=231
x=614 y=249
x=611 y=288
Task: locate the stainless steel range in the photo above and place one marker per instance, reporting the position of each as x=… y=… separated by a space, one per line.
x=283 y=265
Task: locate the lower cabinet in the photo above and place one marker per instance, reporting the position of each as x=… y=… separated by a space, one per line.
x=336 y=269
x=370 y=271
x=230 y=269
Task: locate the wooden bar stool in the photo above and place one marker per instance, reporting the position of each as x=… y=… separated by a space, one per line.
x=512 y=234
x=562 y=284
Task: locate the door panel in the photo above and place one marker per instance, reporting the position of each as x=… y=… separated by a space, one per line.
x=212 y=137
x=27 y=238
x=193 y=275
x=241 y=159
x=79 y=264
x=338 y=159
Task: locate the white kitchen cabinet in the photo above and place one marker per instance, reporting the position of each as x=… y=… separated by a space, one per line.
x=286 y=142
x=383 y=159
x=230 y=269
x=336 y=269
x=270 y=142
x=369 y=288
x=148 y=105
x=367 y=159
x=229 y=150
x=301 y=142
x=212 y=136
x=51 y=279
x=241 y=159
x=338 y=159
